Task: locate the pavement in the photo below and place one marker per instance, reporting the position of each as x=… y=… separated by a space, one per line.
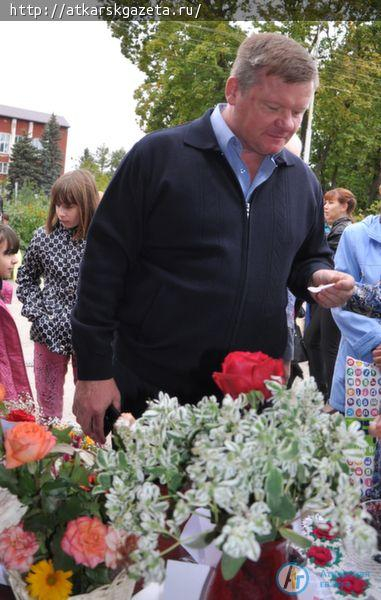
x=23 y=327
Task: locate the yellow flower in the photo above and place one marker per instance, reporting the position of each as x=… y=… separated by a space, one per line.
x=47 y=584
x=88 y=441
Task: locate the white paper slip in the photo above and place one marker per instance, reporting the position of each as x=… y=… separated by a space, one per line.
x=319 y=288
x=184 y=580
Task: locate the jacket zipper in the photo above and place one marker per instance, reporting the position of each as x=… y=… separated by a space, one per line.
x=243 y=283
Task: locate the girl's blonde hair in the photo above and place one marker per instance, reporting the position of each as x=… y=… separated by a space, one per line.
x=75 y=187
x=10 y=237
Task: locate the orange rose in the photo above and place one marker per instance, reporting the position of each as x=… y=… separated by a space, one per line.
x=25 y=443
x=3 y=392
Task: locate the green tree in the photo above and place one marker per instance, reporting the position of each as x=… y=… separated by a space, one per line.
x=25 y=166
x=346 y=149
x=102 y=157
x=51 y=154
x=102 y=164
x=185 y=69
x=115 y=159
x=186 y=65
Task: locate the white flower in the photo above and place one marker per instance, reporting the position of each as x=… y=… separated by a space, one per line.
x=12 y=511
x=178 y=459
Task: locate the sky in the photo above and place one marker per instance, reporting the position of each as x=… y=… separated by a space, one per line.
x=76 y=70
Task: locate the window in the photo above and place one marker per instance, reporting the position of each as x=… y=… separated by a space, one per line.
x=4 y=143
x=4 y=168
x=19 y=137
x=37 y=143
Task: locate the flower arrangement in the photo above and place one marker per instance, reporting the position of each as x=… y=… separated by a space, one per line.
x=53 y=531
x=253 y=466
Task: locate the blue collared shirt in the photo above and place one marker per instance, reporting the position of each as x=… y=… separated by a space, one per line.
x=232 y=148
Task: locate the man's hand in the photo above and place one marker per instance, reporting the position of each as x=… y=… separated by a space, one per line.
x=376 y=354
x=336 y=295
x=287 y=369
x=91 y=399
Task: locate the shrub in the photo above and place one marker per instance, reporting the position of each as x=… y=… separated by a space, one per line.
x=26 y=214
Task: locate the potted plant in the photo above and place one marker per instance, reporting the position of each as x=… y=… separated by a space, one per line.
x=56 y=540
x=253 y=466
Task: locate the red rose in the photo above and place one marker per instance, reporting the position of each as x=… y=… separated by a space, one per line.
x=246 y=371
x=324 y=534
x=19 y=415
x=352 y=584
x=320 y=555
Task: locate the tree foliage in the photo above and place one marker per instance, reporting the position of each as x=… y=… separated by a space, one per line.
x=186 y=65
x=25 y=166
x=102 y=164
x=51 y=155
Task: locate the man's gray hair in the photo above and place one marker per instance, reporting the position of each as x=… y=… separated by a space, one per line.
x=273 y=54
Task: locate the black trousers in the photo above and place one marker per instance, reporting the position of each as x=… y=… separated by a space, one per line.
x=322 y=339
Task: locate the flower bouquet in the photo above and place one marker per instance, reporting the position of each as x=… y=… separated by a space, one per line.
x=55 y=538
x=253 y=466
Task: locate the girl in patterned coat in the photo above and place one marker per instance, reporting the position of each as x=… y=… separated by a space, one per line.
x=13 y=375
x=47 y=283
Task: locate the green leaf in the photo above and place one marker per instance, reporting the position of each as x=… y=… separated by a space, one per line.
x=50 y=503
x=285 y=510
x=255 y=398
x=294 y=537
x=62 y=435
x=174 y=481
x=274 y=483
x=104 y=480
x=99 y=576
x=39 y=522
x=27 y=485
x=71 y=509
x=79 y=475
x=292 y=451
x=102 y=459
x=203 y=540
x=54 y=486
x=60 y=558
x=230 y=566
x=123 y=460
x=274 y=489
x=8 y=479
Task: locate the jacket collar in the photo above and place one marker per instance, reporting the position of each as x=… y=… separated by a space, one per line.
x=200 y=134
x=341 y=220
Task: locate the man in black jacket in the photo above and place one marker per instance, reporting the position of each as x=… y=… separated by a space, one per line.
x=197 y=237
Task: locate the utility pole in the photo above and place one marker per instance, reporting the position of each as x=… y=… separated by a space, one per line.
x=308 y=135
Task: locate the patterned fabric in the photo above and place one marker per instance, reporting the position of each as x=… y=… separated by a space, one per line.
x=366 y=300
x=376 y=482
x=47 y=286
x=13 y=373
x=49 y=371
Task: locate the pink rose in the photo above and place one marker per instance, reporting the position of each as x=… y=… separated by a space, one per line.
x=84 y=540
x=17 y=548
x=244 y=372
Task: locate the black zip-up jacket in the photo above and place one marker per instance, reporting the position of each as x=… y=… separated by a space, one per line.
x=333 y=238
x=176 y=274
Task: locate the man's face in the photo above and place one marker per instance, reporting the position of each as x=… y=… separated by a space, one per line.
x=266 y=116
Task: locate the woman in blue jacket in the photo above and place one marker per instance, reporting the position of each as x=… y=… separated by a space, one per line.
x=359 y=254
